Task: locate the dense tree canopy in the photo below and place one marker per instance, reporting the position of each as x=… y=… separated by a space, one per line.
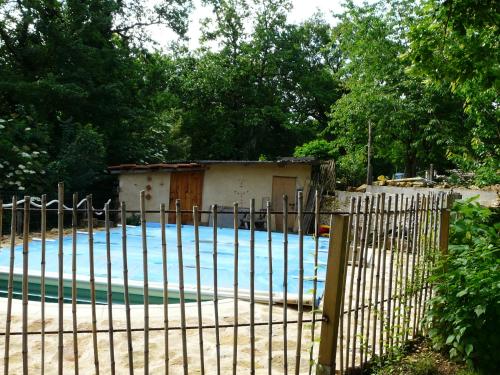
x=82 y=86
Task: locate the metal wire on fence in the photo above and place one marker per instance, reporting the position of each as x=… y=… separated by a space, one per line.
x=373 y=297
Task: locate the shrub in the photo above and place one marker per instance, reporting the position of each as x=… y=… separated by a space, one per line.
x=464 y=314
x=318 y=148
x=82 y=161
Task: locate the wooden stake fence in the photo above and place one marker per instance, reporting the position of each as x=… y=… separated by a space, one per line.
x=375 y=290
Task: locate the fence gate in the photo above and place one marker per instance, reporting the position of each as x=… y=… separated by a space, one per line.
x=82 y=294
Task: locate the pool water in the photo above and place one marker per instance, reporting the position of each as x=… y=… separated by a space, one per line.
x=225 y=258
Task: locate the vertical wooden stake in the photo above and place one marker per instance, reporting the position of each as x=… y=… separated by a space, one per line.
x=165 y=286
x=270 y=274
x=196 y=217
x=26 y=232
x=90 y=223
x=235 y=282
x=300 y=220
x=146 y=280
x=60 y=288
x=123 y=213
x=178 y=224
x=315 y=277
x=13 y=228
x=444 y=227
x=109 y=290
x=74 y=235
x=216 y=295
x=332 y=299
x=252 y=286
x=285 y=284
x=43 y=230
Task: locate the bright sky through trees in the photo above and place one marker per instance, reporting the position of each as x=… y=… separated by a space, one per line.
x=302 y=10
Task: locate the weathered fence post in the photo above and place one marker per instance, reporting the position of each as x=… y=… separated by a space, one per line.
x=332 y=300
x=445 y=224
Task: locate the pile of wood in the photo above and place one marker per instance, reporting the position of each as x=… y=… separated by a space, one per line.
x=406 y=182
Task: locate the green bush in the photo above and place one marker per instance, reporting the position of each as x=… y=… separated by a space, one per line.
x=464 y=315
x=318 y=148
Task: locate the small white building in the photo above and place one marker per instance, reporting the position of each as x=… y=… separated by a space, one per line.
x=207 y=182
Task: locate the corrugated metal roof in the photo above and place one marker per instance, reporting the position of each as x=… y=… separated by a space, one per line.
x=200 y=164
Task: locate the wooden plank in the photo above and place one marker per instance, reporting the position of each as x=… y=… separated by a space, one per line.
x=332 y=299
x=188 y=188
x=444 y=227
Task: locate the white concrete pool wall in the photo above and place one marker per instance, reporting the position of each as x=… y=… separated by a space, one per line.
x=155 y=289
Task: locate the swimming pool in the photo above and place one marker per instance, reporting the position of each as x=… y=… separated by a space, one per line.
x=225 y=259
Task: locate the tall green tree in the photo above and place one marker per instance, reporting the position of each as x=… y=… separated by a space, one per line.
x=265 y=90
x=70 y=63
x=412 y=123
x=456 y=45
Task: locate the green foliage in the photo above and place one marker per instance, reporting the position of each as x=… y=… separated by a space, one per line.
x=262 y=93
x=485 y=171
x=351 y=167
x=268 y=88
x=81 y=143
x=134 y=219
x=23 y=145
x=412 y=123
x=78 y=62
x=318 y=148
x=456 y=45
x=463 y=316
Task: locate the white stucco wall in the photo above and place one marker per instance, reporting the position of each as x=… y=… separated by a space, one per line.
x=223 y=185
x=131 y=184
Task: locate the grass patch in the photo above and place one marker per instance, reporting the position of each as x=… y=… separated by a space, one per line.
x=420 y=359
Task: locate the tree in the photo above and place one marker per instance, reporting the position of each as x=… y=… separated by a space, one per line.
x=412 y=124
x=455 y=44
x=23 y=146
x=79 y=62
x=265 y=91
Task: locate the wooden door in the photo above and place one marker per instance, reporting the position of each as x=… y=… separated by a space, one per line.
x=282 y=186
x=188 y=187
